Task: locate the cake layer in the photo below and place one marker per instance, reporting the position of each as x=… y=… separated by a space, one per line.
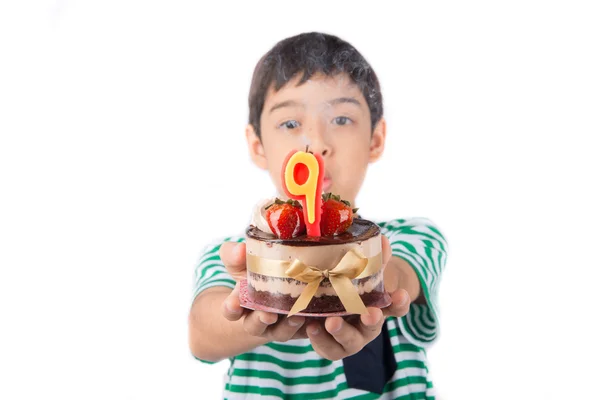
x=293 y=288
x=322 y=304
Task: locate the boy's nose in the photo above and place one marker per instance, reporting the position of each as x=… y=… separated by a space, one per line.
x=320 y=146
x=318 y=142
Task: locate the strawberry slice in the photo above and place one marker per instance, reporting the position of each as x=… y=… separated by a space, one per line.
x=285 y=218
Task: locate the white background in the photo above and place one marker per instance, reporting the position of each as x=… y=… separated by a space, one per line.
x=122 y=153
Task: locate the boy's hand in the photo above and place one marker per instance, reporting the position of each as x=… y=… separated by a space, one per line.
x=256 y=323
x=400 y=297
x=338 y=338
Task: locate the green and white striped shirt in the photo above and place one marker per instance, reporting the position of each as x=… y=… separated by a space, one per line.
x=293 y=370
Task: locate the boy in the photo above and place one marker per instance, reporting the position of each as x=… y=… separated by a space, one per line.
x=319 y=89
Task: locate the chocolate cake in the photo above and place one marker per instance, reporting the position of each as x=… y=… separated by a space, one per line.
x=268 y=256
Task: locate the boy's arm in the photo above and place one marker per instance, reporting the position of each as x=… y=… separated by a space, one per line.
x=213 y=337
x=219 y=328
x=419 y=251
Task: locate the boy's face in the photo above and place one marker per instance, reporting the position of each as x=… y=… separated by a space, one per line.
x=331 y=116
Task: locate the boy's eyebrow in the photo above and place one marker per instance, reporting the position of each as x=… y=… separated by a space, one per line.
x=341 y=100
x=293 y=103
x=288 y=103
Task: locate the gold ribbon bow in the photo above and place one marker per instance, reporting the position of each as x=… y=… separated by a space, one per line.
x=350 y=266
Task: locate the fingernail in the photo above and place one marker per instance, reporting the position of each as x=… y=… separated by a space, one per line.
x=314 y=330
x=335 y=329
x=262 y=319
x=371 y=319
x=405 y=299
x=230 y=308
x=294 y=322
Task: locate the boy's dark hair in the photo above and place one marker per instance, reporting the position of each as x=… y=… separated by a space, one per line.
x=312 y=53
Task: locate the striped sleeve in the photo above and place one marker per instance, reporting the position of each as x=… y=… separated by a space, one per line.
x=423 y=246
x=210 y=271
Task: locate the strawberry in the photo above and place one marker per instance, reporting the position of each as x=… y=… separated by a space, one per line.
x=285 y=218
x=337 y=215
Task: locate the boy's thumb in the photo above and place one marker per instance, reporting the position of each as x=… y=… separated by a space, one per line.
x=233 y=255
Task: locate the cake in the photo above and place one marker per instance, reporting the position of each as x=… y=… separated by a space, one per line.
x=317 y=257
x=273 y=290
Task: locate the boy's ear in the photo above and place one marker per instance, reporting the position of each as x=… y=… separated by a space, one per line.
x=377 y=141
x=255 y=148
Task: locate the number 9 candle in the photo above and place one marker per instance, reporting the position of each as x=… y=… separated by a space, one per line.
x=302 y=178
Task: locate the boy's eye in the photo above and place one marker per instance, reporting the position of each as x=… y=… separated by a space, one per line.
x=342 y=121
x=291 y=124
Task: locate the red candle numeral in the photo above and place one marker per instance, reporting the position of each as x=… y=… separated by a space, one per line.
x=302 y=177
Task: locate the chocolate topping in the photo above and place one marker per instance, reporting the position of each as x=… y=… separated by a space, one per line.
x=360 y=230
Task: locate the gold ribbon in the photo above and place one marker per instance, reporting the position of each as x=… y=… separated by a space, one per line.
x=277 y=268
x=350 y=266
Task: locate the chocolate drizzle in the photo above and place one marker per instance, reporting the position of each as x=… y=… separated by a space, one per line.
x=360 y=230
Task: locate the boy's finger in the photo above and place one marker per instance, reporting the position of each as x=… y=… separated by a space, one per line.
x=371 y=323
x=400 y=304
x=233 y=255
x=345 y=334
x=323 y=343
x=285 y=329
x=257 y=322
x=232 y=310
x=301 y=334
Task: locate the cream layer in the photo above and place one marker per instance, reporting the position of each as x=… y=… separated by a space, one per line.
x=294 y=288
x=322 y=257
